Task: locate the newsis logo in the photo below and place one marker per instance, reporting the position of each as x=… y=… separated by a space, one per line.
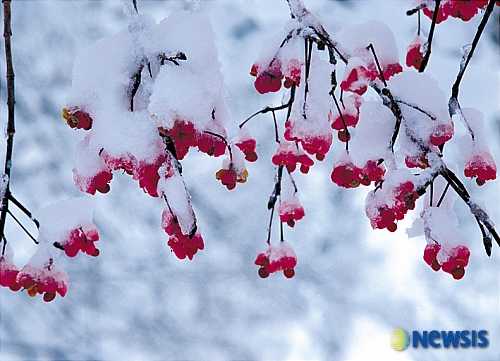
x=400 y=339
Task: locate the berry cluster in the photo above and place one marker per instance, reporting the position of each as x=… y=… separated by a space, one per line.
x=290 y=212
x=382 y=215
x=482 y=167
x=414 y=54
x=185 y=135
x=452 y=261
x=274 y=259
x=183 y=245
x=345 y=174
x=461 y=9
x=81 y=240
x=289 y=155
x=46 y=281
x=314 y=144
x=269 y=78
x=359 y=74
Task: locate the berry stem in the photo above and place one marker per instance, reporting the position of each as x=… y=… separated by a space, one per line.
x=370 y=47
x=343 y=121
x=427 y=54
x=224 y=140
x=22 y=227
x=24 y=210
x=453 y=104
x=442 y=195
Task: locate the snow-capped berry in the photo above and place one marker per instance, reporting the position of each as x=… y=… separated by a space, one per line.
x=288 y=154
x=77 y=119
x=274 y=259
x=290 y=212
x=481 y=166
x=357 y=77
x=147 y=175
x=269 y=80
x=8 y=273
x=461 y=9
x=210 y=144
x=183 y=134
x=183 y=246
x=229 y=177
x=430 y=253
x=350 y=113
x=458 y=259
x=47 y=281
x=248 y=148
x=343 y=175
x=414 y=56
x=291 y=70
x=441 y=133
x=81 y=239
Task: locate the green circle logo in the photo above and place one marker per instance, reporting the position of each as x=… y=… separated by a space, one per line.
x=400 y=339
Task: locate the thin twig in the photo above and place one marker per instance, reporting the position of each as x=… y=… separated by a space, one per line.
x=463 y=67
x=427 y=54
x=24 y=210
x=22 y=227
x=7 y=33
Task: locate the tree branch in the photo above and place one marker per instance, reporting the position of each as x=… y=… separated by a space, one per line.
x=10 y=104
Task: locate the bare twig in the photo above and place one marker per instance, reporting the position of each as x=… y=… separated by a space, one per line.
x=10 y=104
x=453 y=104
x=427 y=54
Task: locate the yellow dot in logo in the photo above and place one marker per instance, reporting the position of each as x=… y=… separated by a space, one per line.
x=400 y=339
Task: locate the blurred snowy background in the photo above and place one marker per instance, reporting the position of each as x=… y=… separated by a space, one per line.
x=353 y=286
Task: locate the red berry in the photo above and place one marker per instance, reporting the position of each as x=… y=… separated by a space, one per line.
x=289 y=273
x=263 y=273
x=458 y=273
x=48 y=296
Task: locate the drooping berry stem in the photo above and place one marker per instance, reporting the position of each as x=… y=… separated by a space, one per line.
x=370 y=47
x=427 y=54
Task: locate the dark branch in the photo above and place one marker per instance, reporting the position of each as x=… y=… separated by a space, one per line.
x=463 y=66
x=427 y=54
x=10 y=105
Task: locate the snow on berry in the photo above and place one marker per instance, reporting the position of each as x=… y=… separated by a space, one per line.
x=47 y=280
x=246 y=143
x=461 y=9
x=274 y=259
x=373 y=133
x=343 y=173
x=196 y=96
x=289 y=155
x=350 y=113
x=171 y=187
x=183 y=245
x=290 y=209
x=414 y=54
x=233 y=169
x=361 y=68
x=388 y=204
x=8 y=270
x=309 y=120
x=425 y=110
x=474 y=151
x=78 y=119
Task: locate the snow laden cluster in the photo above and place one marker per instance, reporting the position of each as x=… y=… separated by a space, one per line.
x=395 y=143
x=66 y=225
x=144 y=97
